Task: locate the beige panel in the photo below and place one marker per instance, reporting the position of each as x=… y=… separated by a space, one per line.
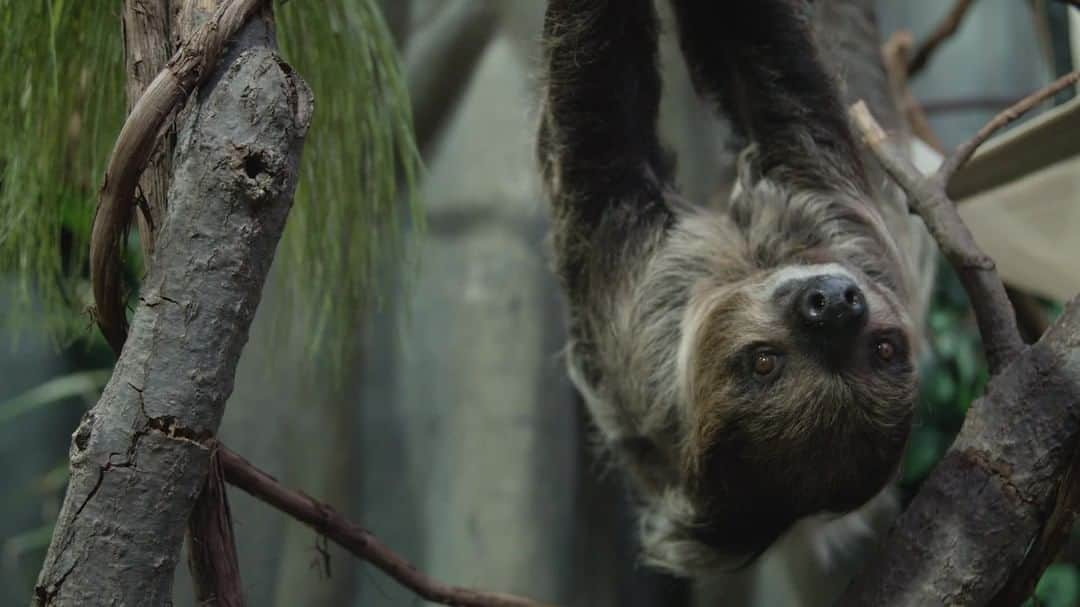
x=1031 y=227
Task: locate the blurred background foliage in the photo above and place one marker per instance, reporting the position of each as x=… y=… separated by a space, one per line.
x=61 y=105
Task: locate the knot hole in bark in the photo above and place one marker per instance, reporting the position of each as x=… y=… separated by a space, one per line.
x=254 y=166
x=259 y=173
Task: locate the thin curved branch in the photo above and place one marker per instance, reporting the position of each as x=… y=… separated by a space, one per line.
x=186 y=70
x=945 y=30
x=1030 y=315
x=332 y=524
x=964 y=152
x=895 y=53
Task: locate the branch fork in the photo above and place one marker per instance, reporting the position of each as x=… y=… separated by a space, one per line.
x=1005 y=487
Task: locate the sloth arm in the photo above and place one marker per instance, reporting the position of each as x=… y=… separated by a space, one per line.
x=599 y=150
x=607 y=177
x=757 y=60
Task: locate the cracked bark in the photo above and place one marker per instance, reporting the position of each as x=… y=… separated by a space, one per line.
x=138 y=458
x=972 y=522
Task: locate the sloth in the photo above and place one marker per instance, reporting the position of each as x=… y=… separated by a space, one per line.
x=748 y=366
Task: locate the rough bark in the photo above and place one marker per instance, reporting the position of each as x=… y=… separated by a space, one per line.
x=974 y=518
x=987 y=512
x=185 y=71
x=139 y=458
x=147 y=48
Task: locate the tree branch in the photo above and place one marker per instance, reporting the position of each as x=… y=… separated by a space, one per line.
x=215 y=568
x=927 y=197
x=1049 y=542
x=945 y=30
x=187 y=69
x=972 y=523
x=1030 y=315
x=895 y=55
x=147 y=48
x=964 y=151
x=140 y=455
x=330 y=523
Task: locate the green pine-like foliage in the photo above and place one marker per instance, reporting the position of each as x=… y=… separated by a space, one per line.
x=61 y=108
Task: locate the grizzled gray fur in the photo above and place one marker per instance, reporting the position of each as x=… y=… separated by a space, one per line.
x=748 y=366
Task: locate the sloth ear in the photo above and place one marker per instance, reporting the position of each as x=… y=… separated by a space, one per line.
x=758 y=61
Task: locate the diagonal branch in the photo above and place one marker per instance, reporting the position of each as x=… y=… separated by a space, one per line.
x=976 y=270
x=1001 y=499
x=895 y=53
x=332 y=524
x=187 y=69
x=945 y=30
x=927 y=197
x=964 y=152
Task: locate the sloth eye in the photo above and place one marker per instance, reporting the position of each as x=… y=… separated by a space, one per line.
x=885 y=350
x=765 y=364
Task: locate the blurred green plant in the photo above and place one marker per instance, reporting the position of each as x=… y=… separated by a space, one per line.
x=87 y=384
x=1058 y=587
x=62 y=104
x=952 y=373
x=359 y=169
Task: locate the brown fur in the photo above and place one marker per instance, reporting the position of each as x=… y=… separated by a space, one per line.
x=668 y=301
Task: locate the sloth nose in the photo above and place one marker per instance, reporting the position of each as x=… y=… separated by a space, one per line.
x=833 y=303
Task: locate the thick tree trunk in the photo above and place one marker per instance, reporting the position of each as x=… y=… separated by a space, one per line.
x=138 y=458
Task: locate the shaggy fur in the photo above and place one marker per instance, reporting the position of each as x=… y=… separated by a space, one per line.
x=669 y=302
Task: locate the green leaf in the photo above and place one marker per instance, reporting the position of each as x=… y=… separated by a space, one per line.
x=947 y=343
x=967 y=361
x=32 y=539
x=1059 y=586
x=942 y=389
x=942 y=320
x=86 y=383
x=54 y=480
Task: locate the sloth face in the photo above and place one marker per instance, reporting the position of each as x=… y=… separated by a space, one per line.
x=800 y=386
